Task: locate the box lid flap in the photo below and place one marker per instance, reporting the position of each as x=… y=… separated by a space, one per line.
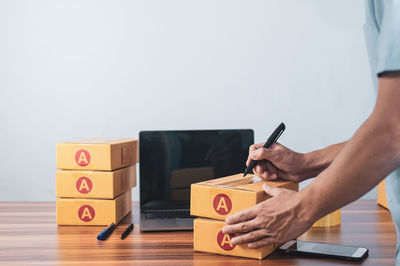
x=101 y=141
x=250 y=182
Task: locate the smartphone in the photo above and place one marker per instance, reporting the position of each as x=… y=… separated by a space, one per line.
x=324 y=250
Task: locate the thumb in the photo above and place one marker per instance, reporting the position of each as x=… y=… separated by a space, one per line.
x=272 y=191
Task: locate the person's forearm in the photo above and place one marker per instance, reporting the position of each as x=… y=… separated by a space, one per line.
x=317 y=161
x=371 y=154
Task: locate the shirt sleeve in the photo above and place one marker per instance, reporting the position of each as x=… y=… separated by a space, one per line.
x=389 y=39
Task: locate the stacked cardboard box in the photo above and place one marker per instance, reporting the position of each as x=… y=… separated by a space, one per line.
x=331 y=219
x=217 y=199
x=382 y=199
x=94 y=185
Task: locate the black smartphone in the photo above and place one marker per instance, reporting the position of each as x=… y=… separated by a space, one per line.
x=325 y=250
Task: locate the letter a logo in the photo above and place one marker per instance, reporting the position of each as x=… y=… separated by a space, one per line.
x=84 y=185
x=222 y=204
x=224 y=241
x=82 y=157
x=86 y=213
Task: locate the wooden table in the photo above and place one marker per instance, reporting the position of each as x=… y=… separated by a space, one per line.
x=29 y=235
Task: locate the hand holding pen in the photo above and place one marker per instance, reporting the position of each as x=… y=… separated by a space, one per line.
x=277 y=161
x=271 y=140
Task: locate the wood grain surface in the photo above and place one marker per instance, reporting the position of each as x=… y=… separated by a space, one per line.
x=29 y=235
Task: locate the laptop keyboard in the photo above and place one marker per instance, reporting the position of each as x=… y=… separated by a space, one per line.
x=168 y=214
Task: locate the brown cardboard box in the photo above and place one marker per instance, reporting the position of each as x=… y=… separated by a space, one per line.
x=95 y=184
x=208 y=237
x=97 y=154
x=93 y=211
x=331 y=219
x=219 y=198
x=382 y=199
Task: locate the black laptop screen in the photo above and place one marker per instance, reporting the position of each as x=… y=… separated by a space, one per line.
x=170 y=161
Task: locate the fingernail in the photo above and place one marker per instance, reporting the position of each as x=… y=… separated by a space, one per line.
x=223 y=229
x=233 y=240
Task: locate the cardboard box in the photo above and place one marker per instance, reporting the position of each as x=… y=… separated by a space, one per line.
x=97 y=154
x=93 y=211
x=208 y=237
x=331 y=219
x=95 y=184
x=382 y=199
x=219 y=198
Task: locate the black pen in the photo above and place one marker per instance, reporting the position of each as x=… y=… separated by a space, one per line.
x=273 y=138
x=127 y=231
x=106 y=232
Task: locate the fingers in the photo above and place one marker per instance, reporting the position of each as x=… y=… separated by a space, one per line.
x=272 y=191
x=242 y=216
x=253 y=148
x=275 y=191
x=263 y=154
x=271 y=172
x=243 y=227
x=256 y=146
x=259 y=169
x=266 y=171
x=250 y=237
x=248 y=161
x=262 y=242
x=258 y=152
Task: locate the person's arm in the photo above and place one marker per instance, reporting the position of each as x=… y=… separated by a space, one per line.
x=319 y=160
x=281 y=162
x=371 y=154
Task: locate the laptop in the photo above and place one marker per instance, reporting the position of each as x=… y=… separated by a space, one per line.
x=170 y=161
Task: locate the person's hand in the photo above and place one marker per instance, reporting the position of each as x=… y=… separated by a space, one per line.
x=278 y=162
x=274 y=221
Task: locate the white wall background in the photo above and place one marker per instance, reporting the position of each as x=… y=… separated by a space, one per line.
x=77 y=69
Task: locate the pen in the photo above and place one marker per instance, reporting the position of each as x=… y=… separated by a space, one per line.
x=127 y=231
x=273 y=138
x=106 y=232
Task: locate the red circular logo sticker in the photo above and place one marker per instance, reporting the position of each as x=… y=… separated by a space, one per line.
x=224 y=241
x=86 y=213
x=84 y=185
x=82 y=157
x=222 y=204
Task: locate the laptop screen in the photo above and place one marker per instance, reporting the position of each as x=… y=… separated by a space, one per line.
x=170 y=161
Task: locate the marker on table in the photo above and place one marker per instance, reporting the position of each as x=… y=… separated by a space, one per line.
x=127 y=231
x=106 y=232
x=273 y=138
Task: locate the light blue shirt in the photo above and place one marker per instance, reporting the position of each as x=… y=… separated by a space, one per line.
x=382 y=34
